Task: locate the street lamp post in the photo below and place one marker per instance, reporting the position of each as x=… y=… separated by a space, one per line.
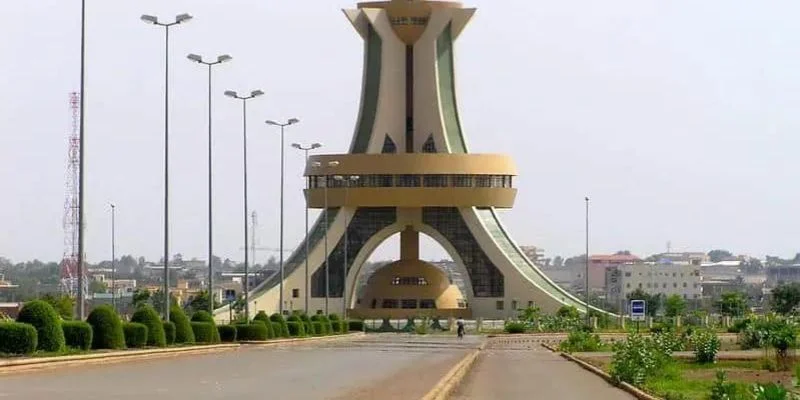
x=81 y=215
x=220 y=59
x=350 y=179
x=291 y=121
x=331 y=164
x=306 y=149
x=113 y=257
x=253 y=94
x=179 y=19
x=587 y=260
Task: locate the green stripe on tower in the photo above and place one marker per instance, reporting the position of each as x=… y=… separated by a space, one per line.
x=447 y=91
x=372 y=84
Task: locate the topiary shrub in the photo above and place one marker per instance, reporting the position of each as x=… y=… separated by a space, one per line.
x=169 y=332
x=316 y=328
x=251 y=332
x=148 y=316
x=227 y=333
x=44 y=318
x=17 y=338
x=514 y=327
x=107 y=330
x=264 y=318
x=410 y=325
x=284 y=329
x=135 y=335
x=204 y=316
x=296 y=328
x=326 y=324
x=355 y=325
x=307 y=322
x=204 y=332
x=183 y=330
x=77 y=334
x=436 y=325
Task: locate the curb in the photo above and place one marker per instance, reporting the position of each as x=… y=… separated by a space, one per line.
x=274 y=342
x=446 y=385
x=633 y=390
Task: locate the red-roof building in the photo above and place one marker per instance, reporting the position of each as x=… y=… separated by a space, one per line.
x=599 y=263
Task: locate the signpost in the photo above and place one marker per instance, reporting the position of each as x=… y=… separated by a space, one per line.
x=638 y=312
x=230 y=296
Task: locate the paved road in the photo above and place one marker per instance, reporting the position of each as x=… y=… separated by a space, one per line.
x=517 y=371
x=381 y=366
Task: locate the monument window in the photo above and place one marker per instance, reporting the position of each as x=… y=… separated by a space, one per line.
x=462 y=303
x=462 y=180
x=389 y=303
x=498 y=181
x=483 y=181
x=434 y=180
x=408 y=181
x=408 y=303
x=409 y=281
x=427 y=303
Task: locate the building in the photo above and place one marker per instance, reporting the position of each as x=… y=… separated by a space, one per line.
x=684 y=280
x=600 y=263
x=692 y=258
x=409 y=170
x=778 y=274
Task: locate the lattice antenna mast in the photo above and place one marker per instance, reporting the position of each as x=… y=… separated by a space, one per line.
x=69 y=261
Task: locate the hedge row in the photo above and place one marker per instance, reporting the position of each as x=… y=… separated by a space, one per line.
x=251 y=332
x=77 y=334
x=148 y=316
x=107 y=332
x=44 y=318
x=204 y=316
x=17 y=338
x=135 y=335
x=204 y=332
x=227 y=333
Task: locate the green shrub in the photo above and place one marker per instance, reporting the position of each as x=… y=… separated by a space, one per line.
x=148 y=316
x=668 y=342
x=410 y=325
x=307 y=322
x=204 y=332
x=723 y=390
x=17 y=338
x=422 y=328
x=334 y=317
x=568 y=312
x=355 y=325
x=636 y=359
x=227 y=333
x=135 y=335
x=169 y=332
x=771 y=391
x=326 y=324
x=44 y=318
x=264 y=318
x=579 y=340
x=77 y=334
x=296 y=328
x=316 y=327
x=706 y=345
x=284 y=329
x=251 y=332
x=514 y=327
x=204 y=316
x=107 y=330
x=435 y=325
x=386 y=326
x=183 y=330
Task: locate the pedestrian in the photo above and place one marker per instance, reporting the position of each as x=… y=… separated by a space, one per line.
x=461 y=327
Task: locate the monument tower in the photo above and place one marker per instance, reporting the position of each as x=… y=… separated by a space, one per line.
x=409 y=170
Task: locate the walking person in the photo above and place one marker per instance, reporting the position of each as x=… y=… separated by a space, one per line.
x=461 y=327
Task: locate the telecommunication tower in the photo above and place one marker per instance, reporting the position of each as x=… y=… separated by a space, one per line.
x=69 y=260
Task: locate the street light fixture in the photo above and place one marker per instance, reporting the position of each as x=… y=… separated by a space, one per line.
x=291 y=121
x=179 y=19
x=306 y=149
x=253 y=94
x=347 y=182
x=220 y=59
x=587 y=261
x=330 y=164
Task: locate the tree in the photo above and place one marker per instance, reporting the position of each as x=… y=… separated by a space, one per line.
x=158 y=300
x=719 y=255
x=140 y=297
x=674 y=306
x=651 y=300
x=64 y=305
x=732 y=304
x=97 y=287
x=786 y=297
x=623 y=253
x=199 y=302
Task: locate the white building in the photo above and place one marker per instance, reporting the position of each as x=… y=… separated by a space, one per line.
x=682 y=279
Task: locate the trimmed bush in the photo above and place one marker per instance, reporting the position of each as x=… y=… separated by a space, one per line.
x=251 y=332
x=169 y=332
x=135 y=335
x=326 y=324
x=264 y=318
x=204 y=332
x=284 y=329
x=17 y=338
x=316 y=327
x=227 y=333
x=436 y=324
x=355 y=325
x=183 y=330
x=204 y=316
x=148 y=316
x=44 y=318
x=514 y=327
x=107 y=330
x=77 y=334
x=307 y=322
x=296 y=328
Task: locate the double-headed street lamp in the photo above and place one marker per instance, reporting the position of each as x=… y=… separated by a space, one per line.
x=291 y=121
x=220 y=59
x=179 y=19
x=305 y=149
x=330 y=164
x=347 y=181
x=253 y=94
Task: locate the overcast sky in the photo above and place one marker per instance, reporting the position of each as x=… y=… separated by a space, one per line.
x=679 y=119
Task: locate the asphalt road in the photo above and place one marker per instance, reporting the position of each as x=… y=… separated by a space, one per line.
x=385 y=367
x=522 y=371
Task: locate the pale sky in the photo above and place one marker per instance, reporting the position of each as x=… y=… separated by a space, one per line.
x=678 y=118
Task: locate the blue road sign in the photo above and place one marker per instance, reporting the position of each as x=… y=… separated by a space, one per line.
x=638 y=310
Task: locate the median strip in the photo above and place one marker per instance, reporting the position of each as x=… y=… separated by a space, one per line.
x=453 y=378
